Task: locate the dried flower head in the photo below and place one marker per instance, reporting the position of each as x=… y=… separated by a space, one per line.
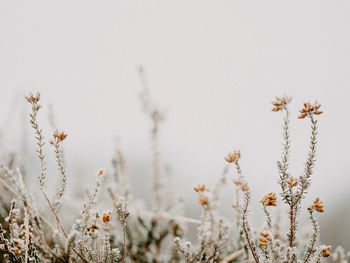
x=310 y=110
x=92 y=228
x=106 y=216
x=265 y=237
x=33 y=99
x=242 y=184
x=203 y=199
x=280 y=103
x=238 y=182
x=200 y=188
x=292 y=181
x=244 y=187
x=325 y=251
x=60 y=136
x=233 y=157
x=269 y=199
x=317 y=205
x=122 y=209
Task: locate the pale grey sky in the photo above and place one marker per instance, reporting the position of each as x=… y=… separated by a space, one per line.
x=214 y=66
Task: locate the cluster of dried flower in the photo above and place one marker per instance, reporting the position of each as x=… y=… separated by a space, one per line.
x=129 y=233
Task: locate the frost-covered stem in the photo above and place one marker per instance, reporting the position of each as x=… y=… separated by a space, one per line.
x=291 y=226
x=238 y=169
x=310 y=162
x=40 y=142
x=287 y=192
x=246 y=200
x=106 y=244
x=318 y=258
x=268 y=217
x=155 y=166
x=212 y=256
x=124 y=241
x=237 y=207
x=313 y=242
x=62 y=186
x=92 y=199
x=26 y=225
x=60 y=226
x=199 y=252
x=283 y=164
x=246 y=227
x=90 y=203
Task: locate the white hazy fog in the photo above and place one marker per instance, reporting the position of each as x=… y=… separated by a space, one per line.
x=213 y=66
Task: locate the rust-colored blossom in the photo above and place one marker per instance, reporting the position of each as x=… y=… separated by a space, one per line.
x=309 y=110
x=280 y=103
x=269 y=199
x=238 y=182
x=203 y=198
x=244 y=187
x=242 y=184
x=106 y=216
x=92 y=228
x=317 y=205
x=292 y=181
x=325 y=251
x=264 y=239
x=200 y=188
x=33 y=99
x=60 y=136
x=233 y=157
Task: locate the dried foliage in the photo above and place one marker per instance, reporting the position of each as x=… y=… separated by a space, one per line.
x=128 y=233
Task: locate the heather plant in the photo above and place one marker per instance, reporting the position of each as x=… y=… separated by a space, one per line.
x=154 y=233
x=270 y=245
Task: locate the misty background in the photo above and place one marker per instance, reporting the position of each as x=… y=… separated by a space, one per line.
x=212 y=66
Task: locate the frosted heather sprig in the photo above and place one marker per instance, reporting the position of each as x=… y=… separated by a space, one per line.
x=246 y=197
x=58 y=137
x=34 y=101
